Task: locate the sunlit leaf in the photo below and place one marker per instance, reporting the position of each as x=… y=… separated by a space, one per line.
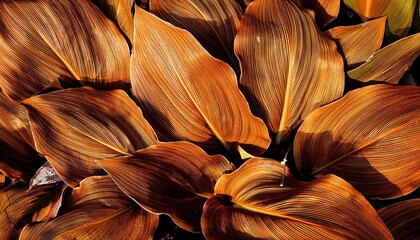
x=262 y=200
x=43 y=41
x=359 y=42
x=55 y=198
x=325 y=10
x=402 y=219
x=96 y=210
x=171 y=178
x=389 y=63
x=369 y=138
x=289 y=68
x=74 y=127
x=188 y=95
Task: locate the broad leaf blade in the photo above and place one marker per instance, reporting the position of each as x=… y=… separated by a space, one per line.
x=74 y=127
x=188 y=95
x=262 y=200
x=96 y=210
x=171 y=178
x=369 y=138
x=45 y=41
x=289 y=68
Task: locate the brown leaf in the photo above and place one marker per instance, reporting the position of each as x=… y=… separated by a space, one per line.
x=45 y=41
x=369 y=138
x=171 y=178
x=389 y=63
x=402 y=219
x=213 y=23
x=188 y=95
x=325 y=10
x=74 y=127
x=262 y=200
x=359 y=42
x=96 y=210
x=50 y=210
x=289 y=68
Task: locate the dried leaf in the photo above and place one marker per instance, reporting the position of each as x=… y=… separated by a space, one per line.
x=50 y=210
x=369 y=138
x=359 y=42
x=262 y=200
x=74 y=127
x=389 y=63
x=170 y=178
x=188 y=95
x=96 y=210
x=289 y=68
x=45 y=41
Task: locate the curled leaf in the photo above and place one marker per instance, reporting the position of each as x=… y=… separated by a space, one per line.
x=46 y=174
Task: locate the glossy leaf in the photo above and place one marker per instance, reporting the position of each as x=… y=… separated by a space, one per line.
x=96 y=210
x=262 y=200
x=289 y=68
x=170 y=178
x=369 y=138
x=18 y=158
x=359 y=42
x=402 y=219
x=74 y=127
x=45 y=41
x=188 y=95
x=389 y=63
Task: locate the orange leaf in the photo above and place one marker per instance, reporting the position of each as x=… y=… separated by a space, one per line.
x=262 y=200
x=96 y=210
x=188 y=95
x=74 y=127
x=402 y=219
x=45 y=41
x=289 y=68
x=325 y=10
x=359 y=42
x=369 y=138
x=171 y=178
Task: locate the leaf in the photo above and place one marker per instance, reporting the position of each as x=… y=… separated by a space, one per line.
x=18 y=158
x=46 y=174
x=288 y=67
x=325 y=10
x=359 y=42
x=45 y=41
x=213 y=23
x=262 y=200
x=74 y=127
x=402 y=219
x=369 y=138
x=389 y=63
x=171 y=178
x=96 y=210
x=399 y=14
x=50 y=210
x=188 y=95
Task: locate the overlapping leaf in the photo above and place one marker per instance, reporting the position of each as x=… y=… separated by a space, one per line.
x=369 y=138
x=188 y=95
x=96 y=210
x=171 y=178
x=359 y=42
x=289 y=68
x=389 y=63
x=74 y=127
x=402 y=219
x=213 y=23
x=45 y=41
x=325 y=10
x=262 y=200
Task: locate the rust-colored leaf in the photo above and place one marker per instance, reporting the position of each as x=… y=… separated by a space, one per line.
x=389 y=63
x=289 y=68
x=74 y=127
x=170 y=178
x=188 y=95
x=45 y=41
x=262 y=200
x=402 y=219
x=369 y=138
x=96 y=210
x=359 y=42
